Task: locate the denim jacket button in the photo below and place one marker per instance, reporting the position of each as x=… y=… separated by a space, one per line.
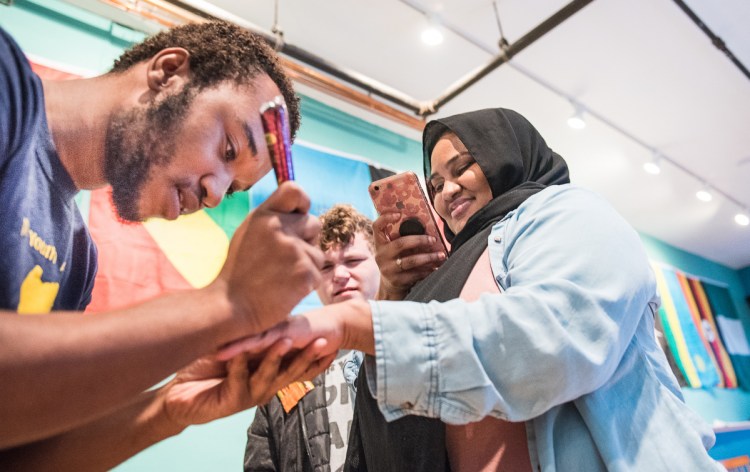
x=407 y=405
x=498 y=239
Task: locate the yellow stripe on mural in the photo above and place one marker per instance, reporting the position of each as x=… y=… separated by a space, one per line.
x=726 y=363
x=696 y=316
x=683 y=355
x=194 y=244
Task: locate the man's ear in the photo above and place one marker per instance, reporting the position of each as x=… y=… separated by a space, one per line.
x=168 y=68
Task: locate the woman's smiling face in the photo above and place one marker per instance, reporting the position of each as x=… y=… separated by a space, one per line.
x=459 y=187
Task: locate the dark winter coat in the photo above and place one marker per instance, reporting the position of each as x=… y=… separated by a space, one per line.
x=298 y=441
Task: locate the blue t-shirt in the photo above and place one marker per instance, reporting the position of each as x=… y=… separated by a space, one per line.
x=47 y=258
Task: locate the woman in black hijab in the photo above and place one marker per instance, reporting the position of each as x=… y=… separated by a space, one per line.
x=479 y=167
x=505 y=162
x=515 y=162
x=532 y=347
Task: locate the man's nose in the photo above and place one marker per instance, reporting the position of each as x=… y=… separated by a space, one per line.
x=214 y=188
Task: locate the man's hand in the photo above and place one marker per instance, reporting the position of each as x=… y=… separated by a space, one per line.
x=209 y=389
x=403 y=260
x=273 y=260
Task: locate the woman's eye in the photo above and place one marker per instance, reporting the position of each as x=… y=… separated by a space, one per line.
x=464 y=168
x=229 y=153
x=438 y=187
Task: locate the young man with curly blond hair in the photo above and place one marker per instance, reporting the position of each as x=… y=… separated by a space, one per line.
x=306 y=426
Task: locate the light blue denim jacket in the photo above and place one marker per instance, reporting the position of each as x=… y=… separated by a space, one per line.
x=569 y=347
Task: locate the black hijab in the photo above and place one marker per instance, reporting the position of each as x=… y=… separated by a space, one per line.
x=511 y=153
x=517 y=164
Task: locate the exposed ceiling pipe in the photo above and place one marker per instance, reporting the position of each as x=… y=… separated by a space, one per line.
x=207 y=11
x=504 y=56
x=351 y=77
x=198 y=10
x=336 y=88
x=715 y=40
x=603 y=119
x=388 y=93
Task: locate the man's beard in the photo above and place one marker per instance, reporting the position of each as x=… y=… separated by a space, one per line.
x=137 y=142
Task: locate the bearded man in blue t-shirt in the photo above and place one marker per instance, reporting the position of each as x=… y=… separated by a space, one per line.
x=172 y=128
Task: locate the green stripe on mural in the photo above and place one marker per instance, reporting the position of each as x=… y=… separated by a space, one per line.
x=231 y=212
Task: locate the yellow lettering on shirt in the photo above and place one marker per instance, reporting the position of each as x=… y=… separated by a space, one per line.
x=48 y=251
x=25 y=226
x=37 y=296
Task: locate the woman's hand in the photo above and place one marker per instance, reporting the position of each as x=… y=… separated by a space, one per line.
x=403 y=261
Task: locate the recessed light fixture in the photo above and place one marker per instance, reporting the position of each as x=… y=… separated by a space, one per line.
x=704 y=194
x=741 y=218
x=653 y=166
x=576 y=120
x=432 y=36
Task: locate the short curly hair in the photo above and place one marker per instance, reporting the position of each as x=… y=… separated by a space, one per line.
x=340 y=224
x=219 y=51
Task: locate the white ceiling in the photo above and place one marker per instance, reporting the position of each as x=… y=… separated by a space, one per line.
x=642 y=66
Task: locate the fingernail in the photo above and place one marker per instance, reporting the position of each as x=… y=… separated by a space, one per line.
x=286 y=344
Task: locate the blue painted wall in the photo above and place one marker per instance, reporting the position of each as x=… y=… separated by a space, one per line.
x=745 y=277
x=88 y=43
x=65 y=34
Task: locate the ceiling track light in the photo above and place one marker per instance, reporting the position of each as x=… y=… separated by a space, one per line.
x=741 y=218
x=653 y=166
x=432 y=35
x=704 y=194
x=576 y=120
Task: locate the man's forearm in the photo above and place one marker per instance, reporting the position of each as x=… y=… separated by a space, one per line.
x=99 y=445
x=60 y=371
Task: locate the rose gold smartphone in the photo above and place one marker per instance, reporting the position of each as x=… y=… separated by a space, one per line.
x=402 y=193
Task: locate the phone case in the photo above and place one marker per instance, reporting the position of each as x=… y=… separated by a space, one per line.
x=403 y=193
x=273 y=115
